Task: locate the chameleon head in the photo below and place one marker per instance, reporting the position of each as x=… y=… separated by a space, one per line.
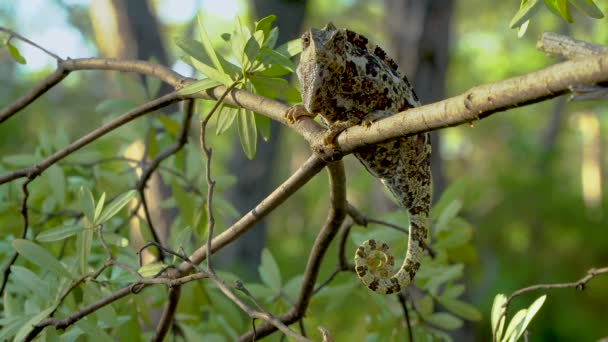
x=321 y=60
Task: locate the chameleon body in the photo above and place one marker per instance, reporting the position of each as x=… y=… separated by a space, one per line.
x=349 y=81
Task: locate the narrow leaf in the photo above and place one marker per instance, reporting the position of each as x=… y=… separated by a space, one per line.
x=225 y=118
x=115 y=239
x=29 y=325
x=527 y=10
x=209 y=71
x=445 y=320
x=248 y=133
x=515 y=321
x=88 y=203
x=15 y=53
x=99 y=207
x=41 y=257
x=269 y=271
x=588 y=7
x=207 y=44
x=117 y=204
x=460 y=308
x=497 y=310
x=58 y=233
x=198 y=86
x=532 y=310
x=265 y=24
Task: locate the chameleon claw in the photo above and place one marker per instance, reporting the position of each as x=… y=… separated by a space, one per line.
x=297 y=112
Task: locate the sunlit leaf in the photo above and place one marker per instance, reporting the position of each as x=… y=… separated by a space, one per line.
x=290 y=48
x=265 y=24
x=527 y=10
x=198 y=86
x=497 y=310
x=269 y=271
x=195 y=50
x=517 y=319
x=15 y=54
x=206 y=41
x=115 y=206
x=209 y=71
x=83 y=245
x=588 y=7
x=532 y=310
x=99 y=207
x=151 y=270
x=41 y=257
x=248 y=132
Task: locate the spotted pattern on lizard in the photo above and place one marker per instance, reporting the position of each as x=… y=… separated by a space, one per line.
x=349 y=81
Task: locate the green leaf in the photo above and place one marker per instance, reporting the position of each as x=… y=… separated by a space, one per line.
x=90 y=328
x=454 y=192
x=265 y=24
x=198 y=86
x=527 y=10
x=152 y=83
x=153 y=147
x=115 y=239
x=225 y=118
x=151 y=270
x=58 y=233
x=195 y=49
x=453 y=291
x=20 y=160
x=561 y=6
x=272 y=87
x=252 y=47
x=588 y=7
x=515 y=322
x=171 y=126
x=497 y=310
x=263 y=123
x=425 y=306
x=83 y=246
x=445 y=320
x=15 y=53
x=98 y=208
x=118 y=203
x=114 y=106
x=57 y=183
x=248 y=133
x=459 y=233
x=290 y=48
x=460 y=308
x=269 y=271
x=207 y=45
x=272 y=57
x=41 y=257
x=28 y=279
x=209 y=71
x=29 y=325
x=532 y=310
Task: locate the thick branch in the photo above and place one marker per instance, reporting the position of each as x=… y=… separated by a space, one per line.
x=480 y=102
x=561 y=45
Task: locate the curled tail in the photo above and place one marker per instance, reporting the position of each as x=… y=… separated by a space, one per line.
x=407 y=174
x=374 y=262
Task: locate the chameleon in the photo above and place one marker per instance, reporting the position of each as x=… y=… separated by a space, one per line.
x=347 y=80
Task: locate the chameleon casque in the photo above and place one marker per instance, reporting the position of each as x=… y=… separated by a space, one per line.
x=349 y=81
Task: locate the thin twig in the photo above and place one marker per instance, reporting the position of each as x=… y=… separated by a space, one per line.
x=579 y=285
x=14 y=34
x=403 y=301
x=335 y=217
x=26 y=222
x=37 y=169
x=300 y=177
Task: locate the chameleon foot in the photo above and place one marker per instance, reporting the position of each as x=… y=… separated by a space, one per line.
x=295 y=113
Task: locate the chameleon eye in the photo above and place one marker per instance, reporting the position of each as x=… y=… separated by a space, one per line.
x=306 y=40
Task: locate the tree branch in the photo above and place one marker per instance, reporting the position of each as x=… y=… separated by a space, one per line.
x=335 y=217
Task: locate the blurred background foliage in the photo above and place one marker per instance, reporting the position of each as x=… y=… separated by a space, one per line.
x=532 y=178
